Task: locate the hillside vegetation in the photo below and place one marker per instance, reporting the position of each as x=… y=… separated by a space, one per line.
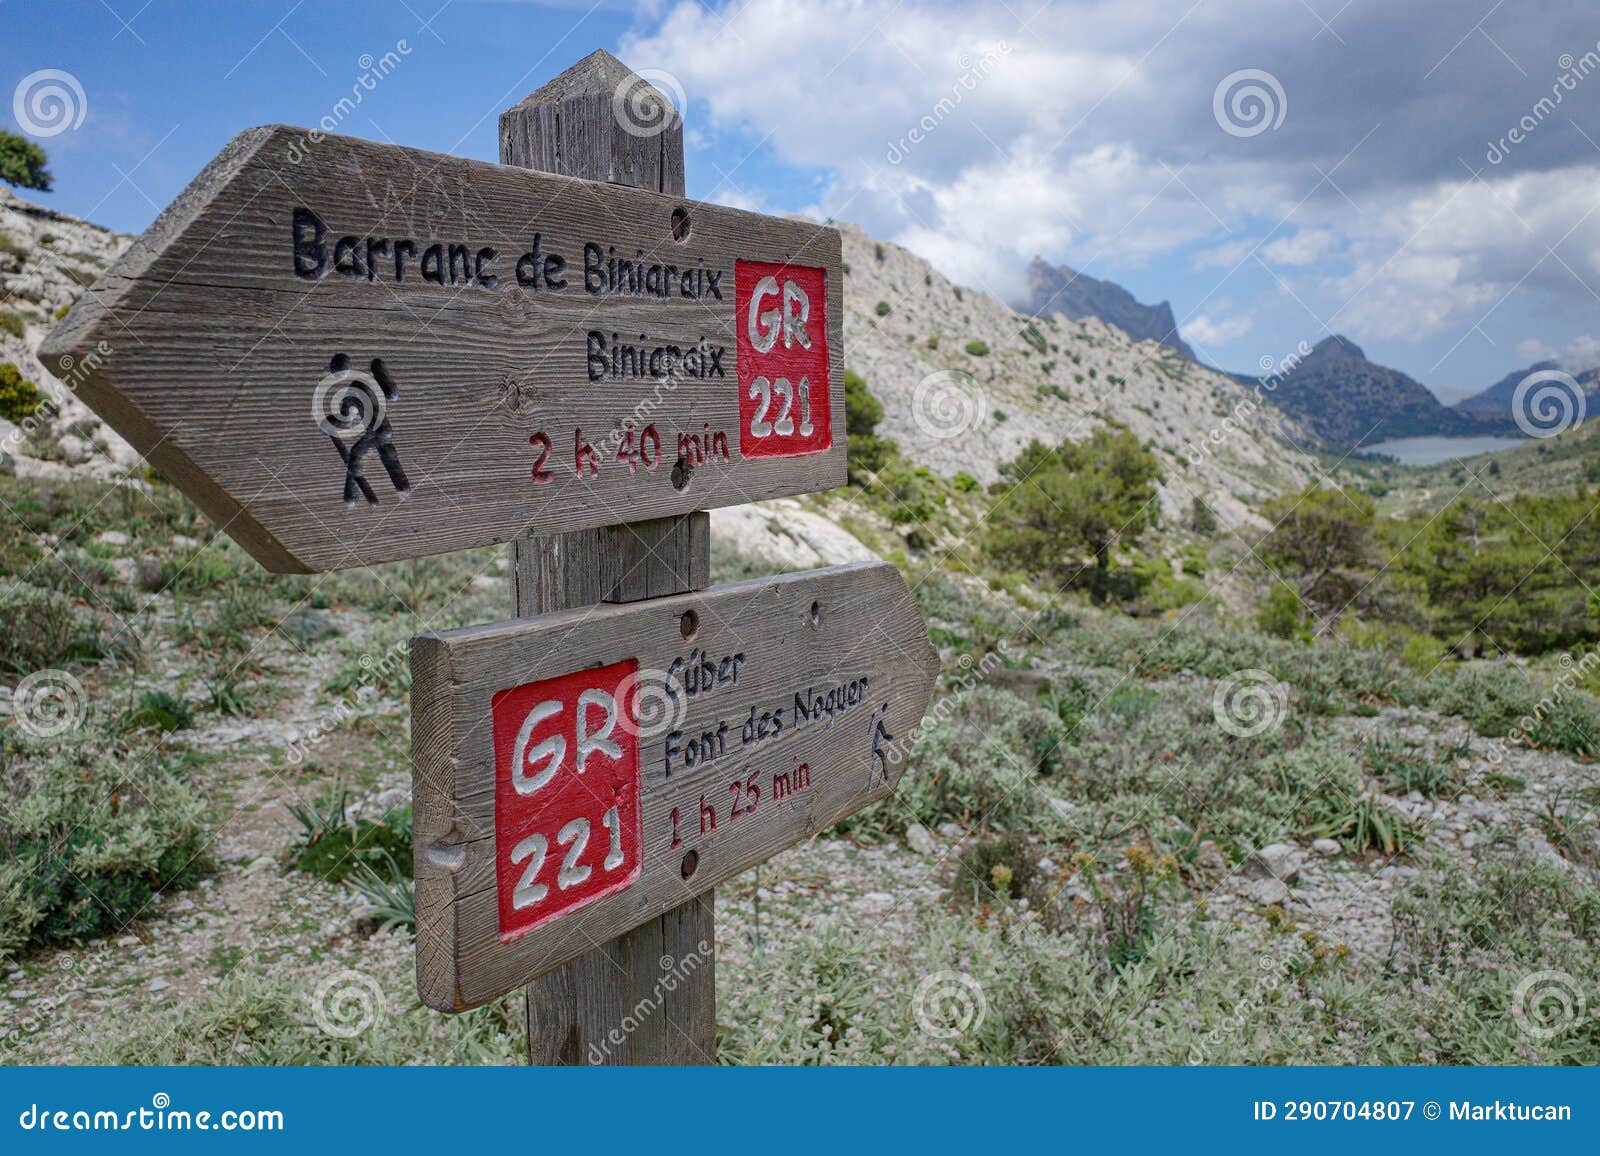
x=1222 y=766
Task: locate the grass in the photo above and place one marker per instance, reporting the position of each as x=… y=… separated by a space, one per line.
x=390 y=891
x=264 y=1019
x=1362 y=824
x=1103 y=802
x=161 y=711
x=1402 y=769
x=333 y=846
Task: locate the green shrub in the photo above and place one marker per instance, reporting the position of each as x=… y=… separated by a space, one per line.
x=19 y=397
x=1282 y=614
x=1423 y=653
x=11 y=322
x=40 y=626
x=162 y=711
x=90 y=831
x=333 y=846
x=867 y=452
x=978 y=349
x=994 y=871
x=273 y=1019
x=882 y=309
x=977 y=759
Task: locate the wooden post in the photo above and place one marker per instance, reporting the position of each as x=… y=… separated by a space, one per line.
x=594 y=121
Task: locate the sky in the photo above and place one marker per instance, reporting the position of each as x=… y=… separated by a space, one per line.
x=1422 y=177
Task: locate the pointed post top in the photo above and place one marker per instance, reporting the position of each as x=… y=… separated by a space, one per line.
x=599 y=73
x=600 y=120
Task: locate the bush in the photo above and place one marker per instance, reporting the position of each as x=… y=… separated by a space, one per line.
x=978 y=349
x=40 y=626
x=334 y=847
x=862 y=412
x=11 y=322
x=91 y=830
x=882 y=309
x=977 y=759
x=1282 y=614
x=1423 y=653
x=19 y=397
x=274 y=1020
x=1492 y=697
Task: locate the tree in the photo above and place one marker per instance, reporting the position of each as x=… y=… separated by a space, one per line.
x=1507 y=573
x=1064 y=510
x=22 y=163
x=862 y=413
x=1321 y=542
x=1282 y=614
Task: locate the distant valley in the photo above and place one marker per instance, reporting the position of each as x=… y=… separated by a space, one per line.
x=1339 y=398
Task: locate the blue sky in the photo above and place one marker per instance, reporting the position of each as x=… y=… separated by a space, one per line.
x=1363 y=182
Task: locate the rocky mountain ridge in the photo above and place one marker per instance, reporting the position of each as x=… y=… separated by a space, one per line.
x=1060 y=289
x=1346 y=401
x=1495 y=405
x=966 y=380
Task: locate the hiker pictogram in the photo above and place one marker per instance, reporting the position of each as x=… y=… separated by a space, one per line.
x=352 y=408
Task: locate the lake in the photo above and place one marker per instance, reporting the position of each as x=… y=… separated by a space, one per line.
x=1430 y=451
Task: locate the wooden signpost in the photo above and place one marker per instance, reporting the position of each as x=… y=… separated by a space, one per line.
x=588 y=770
x=348 y=353
x=378 y=352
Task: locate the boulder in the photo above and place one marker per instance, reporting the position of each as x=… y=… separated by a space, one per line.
x=1280 y=861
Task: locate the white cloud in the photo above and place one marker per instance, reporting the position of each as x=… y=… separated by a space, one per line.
x=1426 y=258
x=1224 y=256
x=1204 y=330
x=1303 y=248
x=981 y=133
x=1580 y=353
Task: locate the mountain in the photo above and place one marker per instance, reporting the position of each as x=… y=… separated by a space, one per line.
x=1056 y=289
x=1493 y=407
x=46 y=259
x=966 y=381
x=1346 y=401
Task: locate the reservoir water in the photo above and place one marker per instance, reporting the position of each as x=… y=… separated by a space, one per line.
x=1430 y=451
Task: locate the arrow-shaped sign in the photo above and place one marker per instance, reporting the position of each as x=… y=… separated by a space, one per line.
x=580 y=773
x=347 y=352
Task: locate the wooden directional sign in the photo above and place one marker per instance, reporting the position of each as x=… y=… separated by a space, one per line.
x=348 y=352
x=579 y=773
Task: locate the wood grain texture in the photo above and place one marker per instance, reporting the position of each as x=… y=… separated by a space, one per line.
x=612 y=564
x=204 y=348
x=807 y=633
x=574 y=1012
